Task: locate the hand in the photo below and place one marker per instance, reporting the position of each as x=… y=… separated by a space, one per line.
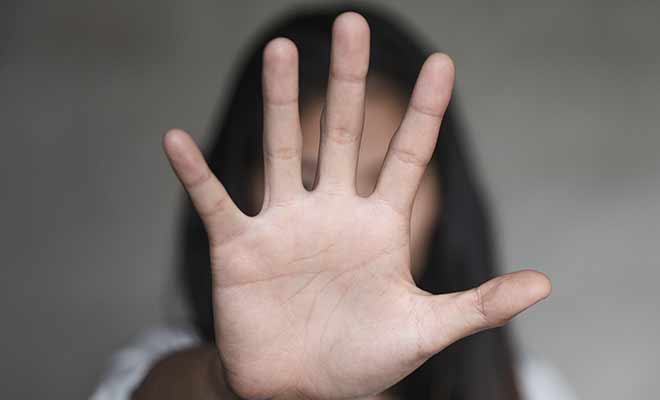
x=313 y=297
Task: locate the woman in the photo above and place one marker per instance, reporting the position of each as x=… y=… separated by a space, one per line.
x=334 y=276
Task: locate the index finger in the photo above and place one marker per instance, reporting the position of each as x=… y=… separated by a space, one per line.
x=413 y=144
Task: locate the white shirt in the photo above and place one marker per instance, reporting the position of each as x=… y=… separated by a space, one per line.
x=131 y=364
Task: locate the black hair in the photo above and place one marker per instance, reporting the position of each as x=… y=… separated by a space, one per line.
x=461 y=252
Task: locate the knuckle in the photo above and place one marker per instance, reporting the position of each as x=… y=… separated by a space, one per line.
x=346 y=75
x=402 y=210
x=282 y=153
x=427 y=110
x=477 y=301
x=486 y=317
x=198 y=181
x=214 y=207
x=342 y=134
x=411 y=157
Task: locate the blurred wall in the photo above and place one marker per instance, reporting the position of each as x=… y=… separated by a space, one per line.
x=562 y=99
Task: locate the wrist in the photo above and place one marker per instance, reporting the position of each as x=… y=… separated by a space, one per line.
x=289 y=396
x=214 y=375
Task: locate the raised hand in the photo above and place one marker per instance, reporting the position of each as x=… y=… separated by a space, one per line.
x=313 y=297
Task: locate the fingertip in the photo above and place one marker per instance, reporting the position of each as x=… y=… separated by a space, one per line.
x=280 y=72
x=350 y=23
x=438 y=73
x=434 y=85
x=279 y=51
x=174 y=139
x=183 y=154
x=440 y=63
x=505 y=296
x=538 y=283
x=350 y=46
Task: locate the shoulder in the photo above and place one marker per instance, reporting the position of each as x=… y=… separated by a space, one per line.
x=131 y=363
x=541 y=381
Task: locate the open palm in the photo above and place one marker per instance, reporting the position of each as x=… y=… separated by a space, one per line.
x=313 y=297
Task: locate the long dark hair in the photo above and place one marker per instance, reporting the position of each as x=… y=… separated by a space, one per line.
x=461 y=251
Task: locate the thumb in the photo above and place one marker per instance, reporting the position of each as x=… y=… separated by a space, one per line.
x=451 y=317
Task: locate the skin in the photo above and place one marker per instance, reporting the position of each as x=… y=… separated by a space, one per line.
x=314 y=297
x=384 y=109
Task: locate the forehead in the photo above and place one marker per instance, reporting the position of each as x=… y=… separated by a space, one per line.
x=384 y=109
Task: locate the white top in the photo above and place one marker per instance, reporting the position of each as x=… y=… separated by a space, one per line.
x=131 y=364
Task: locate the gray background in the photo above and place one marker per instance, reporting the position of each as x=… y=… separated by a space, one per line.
x=561 y=97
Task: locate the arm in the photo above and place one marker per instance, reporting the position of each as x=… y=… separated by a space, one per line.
x=193 y=373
